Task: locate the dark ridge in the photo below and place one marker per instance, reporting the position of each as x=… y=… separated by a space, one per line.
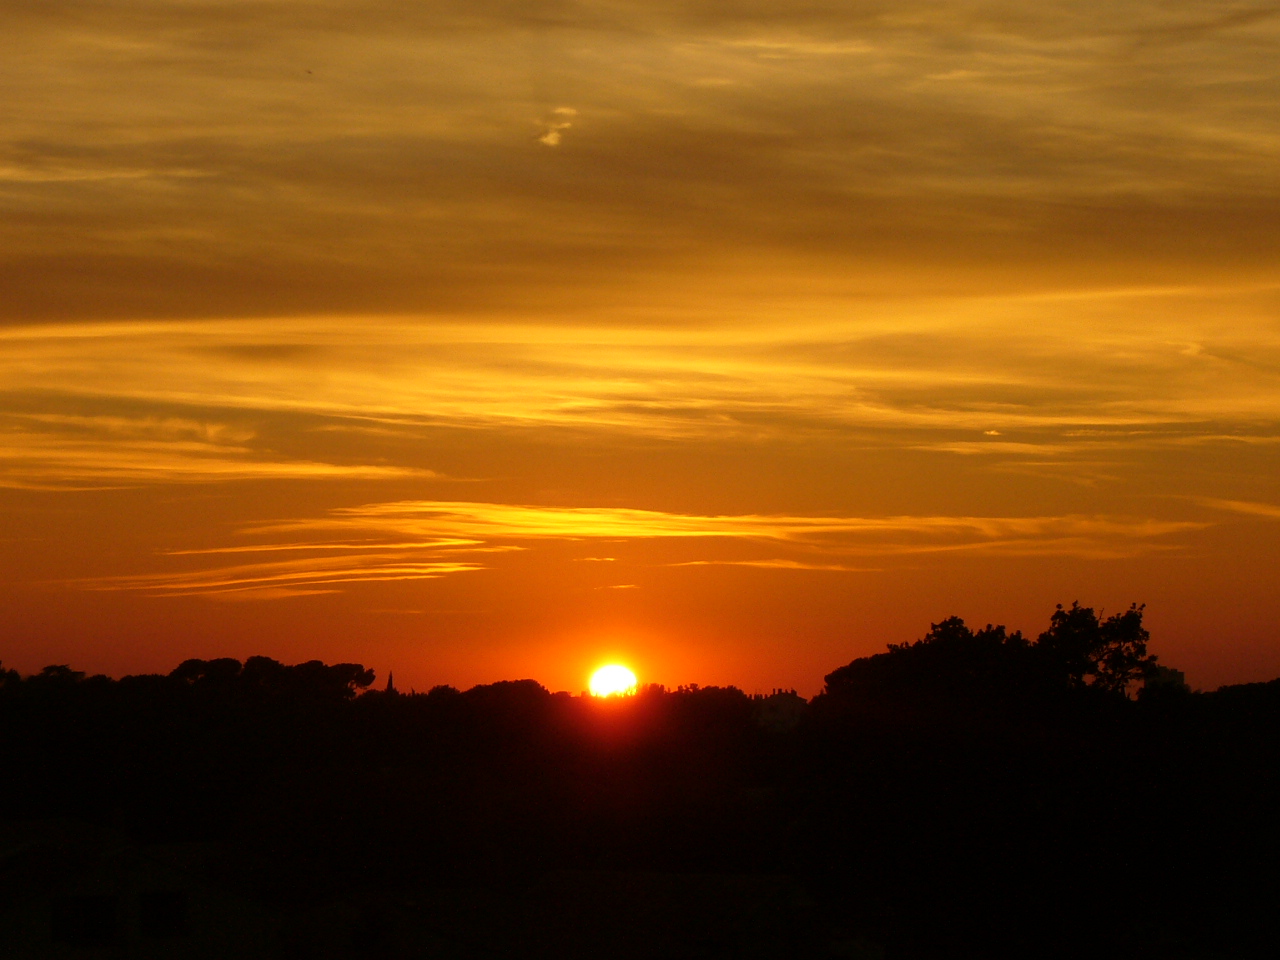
x=973 y=794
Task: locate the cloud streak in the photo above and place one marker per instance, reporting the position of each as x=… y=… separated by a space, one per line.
x=1249 y=508
x=962 y=375
x=284 y=578
x=877 y=535
x=451 y=537
x=561 y=120
x=52 y=452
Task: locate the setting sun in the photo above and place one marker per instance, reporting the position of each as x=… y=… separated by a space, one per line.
x=612 y=681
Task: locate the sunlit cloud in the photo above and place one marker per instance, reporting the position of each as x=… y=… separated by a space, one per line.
x=454 y=537
x=519 y=522
x=998 y=448
x=864 y=536
x=561 y=120
x=285 y=578
x=778 y=564
x=892 y=373
x=1268 y=510
x=47 y=451
x=361 y=546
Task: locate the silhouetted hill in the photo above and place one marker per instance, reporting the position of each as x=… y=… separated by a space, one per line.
x=974 y=794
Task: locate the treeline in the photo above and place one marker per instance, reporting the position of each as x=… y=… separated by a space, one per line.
x=975 y=793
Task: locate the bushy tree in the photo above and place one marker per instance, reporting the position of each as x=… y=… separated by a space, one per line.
x=9 y=679
x=262 y=676
x=56 y=675
x=1106 y=654
x=951 y=661
x=954 y=662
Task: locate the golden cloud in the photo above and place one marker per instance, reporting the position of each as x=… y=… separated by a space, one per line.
x=58 y=451
x=444 y=532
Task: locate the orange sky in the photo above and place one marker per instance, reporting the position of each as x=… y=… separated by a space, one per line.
x=733 y=340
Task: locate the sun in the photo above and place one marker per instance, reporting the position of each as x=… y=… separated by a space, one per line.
x=614 y=680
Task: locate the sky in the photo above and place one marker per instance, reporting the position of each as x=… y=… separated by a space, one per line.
x=728 y=340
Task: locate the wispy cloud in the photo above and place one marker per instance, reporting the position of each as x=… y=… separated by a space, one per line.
x=1269 y=510
x=561 y=120
x=359 y=546
x=1092 y=535
x=938 y=374
x=447 y=537
x=49 y=451
x=778 y=564
x=286 y=578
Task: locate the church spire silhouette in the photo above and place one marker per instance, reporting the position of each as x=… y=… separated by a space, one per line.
x=391 y=681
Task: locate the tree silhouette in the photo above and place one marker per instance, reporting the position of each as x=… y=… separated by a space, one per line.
x=950 y=663
x=1105 y=654
x=975 y=793
x=264 y=677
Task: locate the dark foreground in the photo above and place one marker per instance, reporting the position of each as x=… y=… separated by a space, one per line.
x=968 y=796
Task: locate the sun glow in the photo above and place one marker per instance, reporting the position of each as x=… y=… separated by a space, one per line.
x=613 y=681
